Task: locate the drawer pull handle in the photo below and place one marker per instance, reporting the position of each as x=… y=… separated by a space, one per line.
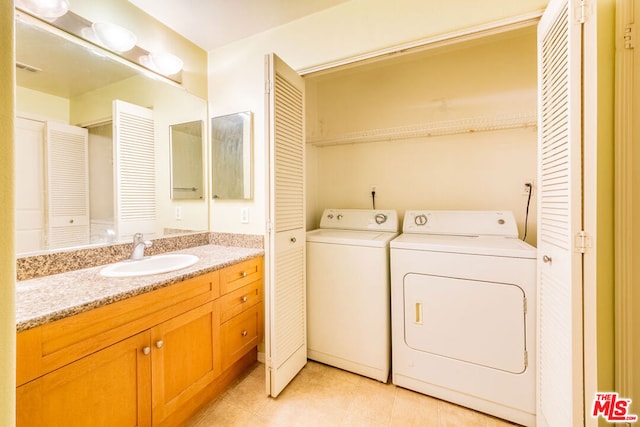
x=146 y=350
x=244 y=274
x=244 y=333
x=159 y=343
x=244 y=299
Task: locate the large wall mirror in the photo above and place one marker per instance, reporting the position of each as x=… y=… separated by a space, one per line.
x=231 y=149
x=93 y=145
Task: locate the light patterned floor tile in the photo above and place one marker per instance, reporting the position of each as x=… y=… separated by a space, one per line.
x=323 y=396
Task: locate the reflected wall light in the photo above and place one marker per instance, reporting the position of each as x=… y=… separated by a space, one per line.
x=162 y=62
x=46 y=9
x=114 y=37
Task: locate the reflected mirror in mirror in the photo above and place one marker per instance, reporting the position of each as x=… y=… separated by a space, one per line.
x=186 y=161
x=104 y=188
x=231 y=171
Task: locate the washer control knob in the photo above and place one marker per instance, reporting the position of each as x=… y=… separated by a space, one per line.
x=330 y=216
x=421 y=219
x=339 y=217
x=381 y=218
x=501 y=221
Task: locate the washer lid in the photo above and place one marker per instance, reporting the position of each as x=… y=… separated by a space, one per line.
x=350 y=237
x=473 y=245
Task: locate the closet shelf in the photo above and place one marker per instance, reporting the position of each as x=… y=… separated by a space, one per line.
x=444 y=127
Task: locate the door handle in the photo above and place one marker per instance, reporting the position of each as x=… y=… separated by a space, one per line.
x=419 y=313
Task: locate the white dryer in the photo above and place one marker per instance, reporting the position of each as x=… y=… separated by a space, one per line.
x=463 y=311
x=348 y=290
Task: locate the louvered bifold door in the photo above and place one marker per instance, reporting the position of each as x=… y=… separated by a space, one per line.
x=560 y=378
x=286 y=341
x=134 y=170
x=67 y=185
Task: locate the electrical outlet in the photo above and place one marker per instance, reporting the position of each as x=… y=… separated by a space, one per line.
x=244 y=215
x=527 y=187
x=178 y=213
x=372 y=188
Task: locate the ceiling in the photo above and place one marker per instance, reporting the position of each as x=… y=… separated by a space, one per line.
x=213 y=23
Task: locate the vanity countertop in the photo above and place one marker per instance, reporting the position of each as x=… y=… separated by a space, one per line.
x=50 y=298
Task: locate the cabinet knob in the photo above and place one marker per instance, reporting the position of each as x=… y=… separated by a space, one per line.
x=547 y=259
x=244 y=299
x=244 y=274
x=146 y=350
x=244 y=333
x=159 y=343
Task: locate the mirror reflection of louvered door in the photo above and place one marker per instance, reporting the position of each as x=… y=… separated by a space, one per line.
x=134 y=170
x=67 y=185
x=560 y=309
x=286 y=340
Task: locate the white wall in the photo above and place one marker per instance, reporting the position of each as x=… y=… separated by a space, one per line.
x=357 y=27
x=489 y=79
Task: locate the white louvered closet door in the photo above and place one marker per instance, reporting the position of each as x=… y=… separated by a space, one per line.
x=67 y=185
x=286 y=340
x=560 y=348
x=134 y=170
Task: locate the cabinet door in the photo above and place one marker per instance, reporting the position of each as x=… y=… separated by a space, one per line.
x=108 y=388
x=186 y=358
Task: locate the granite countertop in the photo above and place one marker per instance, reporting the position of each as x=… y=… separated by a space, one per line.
x=46 y=299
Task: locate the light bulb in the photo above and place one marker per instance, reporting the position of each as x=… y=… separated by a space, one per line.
x=162 y=62
x=47 y=9
x=114 y=37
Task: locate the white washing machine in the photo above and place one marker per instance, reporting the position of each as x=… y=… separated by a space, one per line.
x=348 y=290
x=463 y=302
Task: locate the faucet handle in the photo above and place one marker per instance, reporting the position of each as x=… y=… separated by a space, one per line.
x=137 y=237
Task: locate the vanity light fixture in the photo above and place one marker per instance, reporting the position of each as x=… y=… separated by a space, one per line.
x=46 y=9
x=162 y=62
x=114 y=37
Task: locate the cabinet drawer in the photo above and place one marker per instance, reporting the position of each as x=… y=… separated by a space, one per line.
x=241 y=334
x=239 y=275
x=239 y=300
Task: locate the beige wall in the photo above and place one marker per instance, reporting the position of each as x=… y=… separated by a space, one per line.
x=485 y=80
x=357 y=27
x=7 y=263
x=41 y=105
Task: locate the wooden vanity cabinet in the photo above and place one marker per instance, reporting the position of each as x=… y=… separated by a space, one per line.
x=185 y=358
x=111 y=387
x=169 y=354
x=242 y=310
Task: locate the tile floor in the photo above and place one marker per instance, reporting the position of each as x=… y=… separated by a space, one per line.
x=325 y=396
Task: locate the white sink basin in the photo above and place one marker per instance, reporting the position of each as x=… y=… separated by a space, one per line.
x=149 y=265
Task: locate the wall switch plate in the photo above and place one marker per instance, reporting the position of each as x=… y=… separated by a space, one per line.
x=244 y=215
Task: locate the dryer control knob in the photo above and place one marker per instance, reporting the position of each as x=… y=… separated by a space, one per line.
x=421 y=219
x=381 y=218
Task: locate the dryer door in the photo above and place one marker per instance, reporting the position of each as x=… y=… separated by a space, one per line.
x=471 y=321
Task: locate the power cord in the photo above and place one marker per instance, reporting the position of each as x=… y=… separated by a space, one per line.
x=526 y=218
x=373 y=199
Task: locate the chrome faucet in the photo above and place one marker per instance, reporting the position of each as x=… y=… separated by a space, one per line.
x=137 y=251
